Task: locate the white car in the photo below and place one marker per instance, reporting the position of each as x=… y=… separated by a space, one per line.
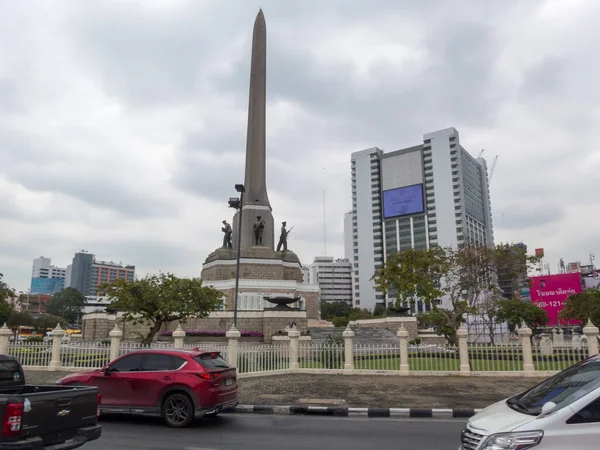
x=560 y=413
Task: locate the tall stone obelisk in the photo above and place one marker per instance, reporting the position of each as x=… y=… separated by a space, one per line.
x=256 y=200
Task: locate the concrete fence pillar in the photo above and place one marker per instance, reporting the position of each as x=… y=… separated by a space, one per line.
x=591 y=334
x=348 y=335
x=403 y=338
x=115 y=342
x=5 y=335
x=178 y=337
x=525 y=334
x=462 y=335
x=233 y=336
x=294 y=336
x=57 y=335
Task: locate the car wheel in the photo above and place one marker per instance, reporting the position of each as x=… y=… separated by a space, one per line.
x=178 y=410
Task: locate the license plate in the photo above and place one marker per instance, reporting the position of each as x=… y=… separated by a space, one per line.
x=228 y=381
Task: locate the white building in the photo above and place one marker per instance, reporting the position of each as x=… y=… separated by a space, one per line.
x=42 y=268
x=431 y=194
x=334 y=278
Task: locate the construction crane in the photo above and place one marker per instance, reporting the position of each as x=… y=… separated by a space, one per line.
x=493 y=167
x=481 y=153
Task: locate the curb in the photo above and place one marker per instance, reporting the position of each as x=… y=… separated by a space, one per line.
x=337 y=411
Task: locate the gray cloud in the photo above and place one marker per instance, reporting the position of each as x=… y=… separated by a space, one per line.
x=123 y=129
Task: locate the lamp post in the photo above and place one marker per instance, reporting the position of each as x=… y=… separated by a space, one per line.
x=238 y=204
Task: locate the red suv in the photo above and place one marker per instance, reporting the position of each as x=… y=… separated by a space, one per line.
x=177 y=385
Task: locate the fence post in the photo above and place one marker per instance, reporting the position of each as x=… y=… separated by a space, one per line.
x=294 y=336
x=348 y=335
x=233 y=336
x=525 y=334
x=403 y=337
x=591 y=334
x=178 y=336
x=57 y=336
x=115 y=342
x=5 y=334
x=463 y=349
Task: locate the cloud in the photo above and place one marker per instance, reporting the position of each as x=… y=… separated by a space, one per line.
x=122 y=124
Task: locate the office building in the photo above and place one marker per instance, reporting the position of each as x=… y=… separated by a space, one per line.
x=334 y=278
x=46 y=278
x=87 y=274
x=431 y=194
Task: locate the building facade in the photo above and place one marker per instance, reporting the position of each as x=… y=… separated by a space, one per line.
x=46 y=278
x=334 y=278
x=431 y=194
x=87 y=274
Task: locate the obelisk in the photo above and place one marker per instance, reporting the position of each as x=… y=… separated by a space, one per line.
x=256 y=200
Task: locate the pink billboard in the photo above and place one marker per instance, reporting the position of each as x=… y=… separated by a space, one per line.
x=549 y=292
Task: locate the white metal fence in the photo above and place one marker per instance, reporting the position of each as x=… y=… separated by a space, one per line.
x=263 y=357
x=31 y=354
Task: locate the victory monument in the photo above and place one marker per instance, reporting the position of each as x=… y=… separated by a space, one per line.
x=266 y=272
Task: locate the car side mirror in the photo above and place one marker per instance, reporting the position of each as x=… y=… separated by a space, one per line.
x=107 y=371
x=547 y=408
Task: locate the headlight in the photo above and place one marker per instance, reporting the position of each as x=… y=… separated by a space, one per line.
x=513 y=441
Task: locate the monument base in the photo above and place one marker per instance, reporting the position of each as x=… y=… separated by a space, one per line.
x=263 y=272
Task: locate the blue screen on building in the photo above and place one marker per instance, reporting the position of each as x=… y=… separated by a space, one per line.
x=403 y=201
x=46 y=285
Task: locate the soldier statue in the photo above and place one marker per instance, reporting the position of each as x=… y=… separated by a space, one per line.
x=283 y=237
x=259 y=227
x=227 y=235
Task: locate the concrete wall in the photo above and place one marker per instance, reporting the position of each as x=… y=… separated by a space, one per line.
x=391 y=323
x=97 y=326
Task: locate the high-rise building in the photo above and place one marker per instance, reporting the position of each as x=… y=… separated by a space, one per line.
x=87 y=274
x=431 y=194
x=46 y=278
x=334 y=278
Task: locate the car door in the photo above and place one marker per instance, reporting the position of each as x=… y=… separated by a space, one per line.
x=115 y=385
x=158 y=371
x=581 y=431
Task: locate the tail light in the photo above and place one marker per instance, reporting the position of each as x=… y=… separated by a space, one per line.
x=99 y=401
x=208 y=376
x=11 y=422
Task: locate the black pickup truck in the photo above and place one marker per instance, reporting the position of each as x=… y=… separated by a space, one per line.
x=44 y=417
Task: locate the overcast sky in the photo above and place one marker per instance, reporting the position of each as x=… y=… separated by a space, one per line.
x=122 y=123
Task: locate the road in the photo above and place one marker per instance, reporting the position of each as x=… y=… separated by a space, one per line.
x=272 y=432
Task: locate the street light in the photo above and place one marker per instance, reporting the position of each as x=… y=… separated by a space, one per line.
x=237 y=203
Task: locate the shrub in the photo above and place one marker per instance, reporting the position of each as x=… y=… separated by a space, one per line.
x=34 y=339
x=340 y=321
x=207 y=333
x=415 y=341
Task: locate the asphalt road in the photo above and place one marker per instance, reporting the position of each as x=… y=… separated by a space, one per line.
x=272 y=432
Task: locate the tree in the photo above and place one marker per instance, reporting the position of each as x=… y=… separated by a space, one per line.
x=45 y=322
x=515 y=312
x=67 y=303
x=334 y=309
x=5 y=308
x=162 y=298
x=466 y=278
x=583 y=306
x=20 y=319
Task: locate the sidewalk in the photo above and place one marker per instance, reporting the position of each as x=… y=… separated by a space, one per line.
x=363 y=391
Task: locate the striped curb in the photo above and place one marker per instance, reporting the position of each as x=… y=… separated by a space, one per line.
x=337 y=411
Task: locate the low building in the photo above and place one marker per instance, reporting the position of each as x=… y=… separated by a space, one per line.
x=334 y=278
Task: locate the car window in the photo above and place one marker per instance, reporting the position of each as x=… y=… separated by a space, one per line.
x=212 y=361
x=563 y=388
x=129 y=363
x=157 y=362
x=589 y=414
x=9 y=371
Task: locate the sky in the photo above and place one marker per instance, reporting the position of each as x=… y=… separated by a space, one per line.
x=123 y=122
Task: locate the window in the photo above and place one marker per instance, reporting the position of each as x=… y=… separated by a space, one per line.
x=9 y=370
x=589 y=414
x=156 y=362
x=130 y=363
x=563 y=388
x=212 y=361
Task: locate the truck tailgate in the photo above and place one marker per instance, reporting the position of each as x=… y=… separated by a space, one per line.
x=54 y=413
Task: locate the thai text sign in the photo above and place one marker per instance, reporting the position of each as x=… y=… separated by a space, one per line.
x=550 y=292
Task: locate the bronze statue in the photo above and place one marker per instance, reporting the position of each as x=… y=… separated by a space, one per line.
x=227 y=236
x=283 y=237
x=259 y=227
